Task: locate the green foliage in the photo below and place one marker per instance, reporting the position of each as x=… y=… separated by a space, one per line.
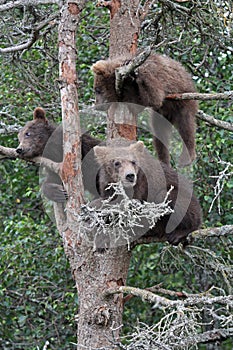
x=37 y=294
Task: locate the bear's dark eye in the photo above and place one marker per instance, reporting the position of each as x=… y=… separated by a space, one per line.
x=27 y=134
x=117 y=163
x=134 y=162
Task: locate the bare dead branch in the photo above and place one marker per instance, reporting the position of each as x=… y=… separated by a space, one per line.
x=165 y=302
x=173 y=6
x=227 y=95
x=15 y=4
x=213 y=121
x=209 y=336
x=33 y=37
x=226 y=230
x=8 y=129
x=222 y=178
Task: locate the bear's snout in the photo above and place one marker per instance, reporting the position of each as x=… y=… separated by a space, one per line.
x=130 y=177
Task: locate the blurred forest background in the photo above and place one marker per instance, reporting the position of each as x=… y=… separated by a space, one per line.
x=38 y=298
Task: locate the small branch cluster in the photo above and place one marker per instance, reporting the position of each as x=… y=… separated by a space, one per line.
x=118 y=220
x=181 y=325
x=222 y=179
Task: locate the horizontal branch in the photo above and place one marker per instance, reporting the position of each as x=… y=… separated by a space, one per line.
x=226 y=230
x=222 y=231
x=33 y=37
x=213 y=121
x=227 y=95
x=160 y=301
x=23 y=46
x=209 y=336
x=7 y=152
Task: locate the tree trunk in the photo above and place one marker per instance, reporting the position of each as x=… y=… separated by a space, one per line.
x=100 y=316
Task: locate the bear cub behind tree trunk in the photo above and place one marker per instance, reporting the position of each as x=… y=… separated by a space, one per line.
x=41 y=138
x=148 y=86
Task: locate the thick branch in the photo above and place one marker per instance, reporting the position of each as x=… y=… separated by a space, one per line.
x=227 y=95
x=226 y=230
x=165 y=302
x=6 y=152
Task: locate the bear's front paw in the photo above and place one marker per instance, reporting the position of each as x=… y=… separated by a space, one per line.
x=177 y=237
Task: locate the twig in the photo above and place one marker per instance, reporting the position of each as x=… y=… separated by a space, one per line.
x=14 y=4
x=213 y=121
x=33 y=37
x=222 y=177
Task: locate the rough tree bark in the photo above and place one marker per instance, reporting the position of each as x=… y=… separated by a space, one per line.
x=95 y=272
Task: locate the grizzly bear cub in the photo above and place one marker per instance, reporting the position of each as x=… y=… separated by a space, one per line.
x=35 y=141
x=148 y=179
x=148 y=86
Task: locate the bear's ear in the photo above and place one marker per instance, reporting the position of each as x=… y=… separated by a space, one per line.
x=39 y=114
x=106 y=68
x=100 y=152
x=137 y=147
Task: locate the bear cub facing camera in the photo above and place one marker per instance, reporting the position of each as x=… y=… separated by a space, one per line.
x=148 y=86
x=39 y=137
x=147 y=179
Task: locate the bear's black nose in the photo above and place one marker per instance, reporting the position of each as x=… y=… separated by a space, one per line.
x=130 y=177
x=19 y=150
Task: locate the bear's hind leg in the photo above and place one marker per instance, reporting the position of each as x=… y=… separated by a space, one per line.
x=162 y=129
x=187 y=129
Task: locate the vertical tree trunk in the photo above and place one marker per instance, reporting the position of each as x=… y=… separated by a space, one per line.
x=99 y=317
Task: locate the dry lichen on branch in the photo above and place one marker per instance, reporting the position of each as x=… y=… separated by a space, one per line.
x=112 y=222
x=180 y=327
x=222 y=179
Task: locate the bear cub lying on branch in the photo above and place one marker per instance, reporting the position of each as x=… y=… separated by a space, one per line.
x=148 y=86
x=35 y=141
x=147 y=179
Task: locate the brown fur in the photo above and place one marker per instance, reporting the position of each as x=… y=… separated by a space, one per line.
x=156 y=78
x=34 y=140
x=147 y=179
